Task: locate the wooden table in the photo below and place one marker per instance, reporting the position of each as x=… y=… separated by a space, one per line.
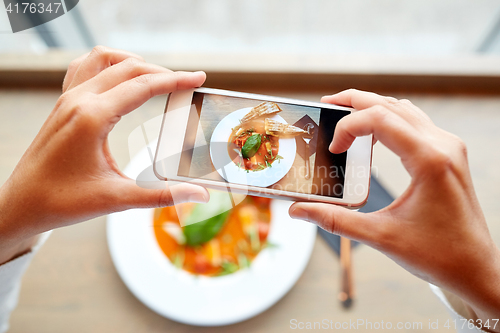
x=72 y=285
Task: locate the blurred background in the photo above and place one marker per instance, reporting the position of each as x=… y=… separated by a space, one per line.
x=388 y=27
x=443 y=55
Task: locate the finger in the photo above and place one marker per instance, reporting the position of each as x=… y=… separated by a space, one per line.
x=129 y=95
x=338 y=220
x=408 y=111
x=99 y=59
x=72 y=68
x=389 y=128
x=357 y=99
x=121 y=72
x=133 y=196
x=362 y=100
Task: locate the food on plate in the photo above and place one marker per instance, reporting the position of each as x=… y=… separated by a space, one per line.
x=254 y=143
x=276 y=128
x=263 y=109
x=251 y=149
x=222 y=244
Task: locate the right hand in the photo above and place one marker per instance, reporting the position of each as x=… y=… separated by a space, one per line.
x=436 y=228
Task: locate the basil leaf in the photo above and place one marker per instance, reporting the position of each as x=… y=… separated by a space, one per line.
x=251 y=146
x=206 y=220
x=201 y=232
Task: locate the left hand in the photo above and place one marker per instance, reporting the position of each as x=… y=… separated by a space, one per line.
x=68 y=174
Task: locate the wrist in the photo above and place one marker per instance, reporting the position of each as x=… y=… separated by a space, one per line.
x=9 y=253
x=16 y=236
x=482 y=293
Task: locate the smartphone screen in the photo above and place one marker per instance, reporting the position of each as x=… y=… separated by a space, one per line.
x=263 y=143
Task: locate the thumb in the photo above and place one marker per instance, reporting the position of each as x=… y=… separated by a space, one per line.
x=338 y=220
x=140 y=197
x=185 y=192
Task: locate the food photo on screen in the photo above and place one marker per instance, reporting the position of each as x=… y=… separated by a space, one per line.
x=260 y=143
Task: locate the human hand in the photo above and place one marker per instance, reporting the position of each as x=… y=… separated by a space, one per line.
x=436 y=228
x=68 y=174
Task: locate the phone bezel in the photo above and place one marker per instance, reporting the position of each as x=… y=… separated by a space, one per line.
x=179 y=102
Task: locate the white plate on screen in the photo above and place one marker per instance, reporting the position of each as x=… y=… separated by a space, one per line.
x=234 y=174
x=205 y=301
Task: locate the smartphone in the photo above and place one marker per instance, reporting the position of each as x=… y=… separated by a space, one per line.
x=261 y=145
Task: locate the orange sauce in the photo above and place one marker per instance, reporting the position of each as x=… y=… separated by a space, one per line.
x=238 y=138
x=233 y=241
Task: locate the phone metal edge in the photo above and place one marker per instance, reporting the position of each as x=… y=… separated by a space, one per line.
x=272 y=98
x=160 y=177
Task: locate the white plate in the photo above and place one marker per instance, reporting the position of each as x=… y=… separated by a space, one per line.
x=234 y=174
x=205 y=301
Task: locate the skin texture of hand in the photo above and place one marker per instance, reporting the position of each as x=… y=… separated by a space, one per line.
x=68 y=175
x=436 y=228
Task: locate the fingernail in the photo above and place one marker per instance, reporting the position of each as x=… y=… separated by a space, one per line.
x=333 y=149
x=299 y=213
x=198 y=197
